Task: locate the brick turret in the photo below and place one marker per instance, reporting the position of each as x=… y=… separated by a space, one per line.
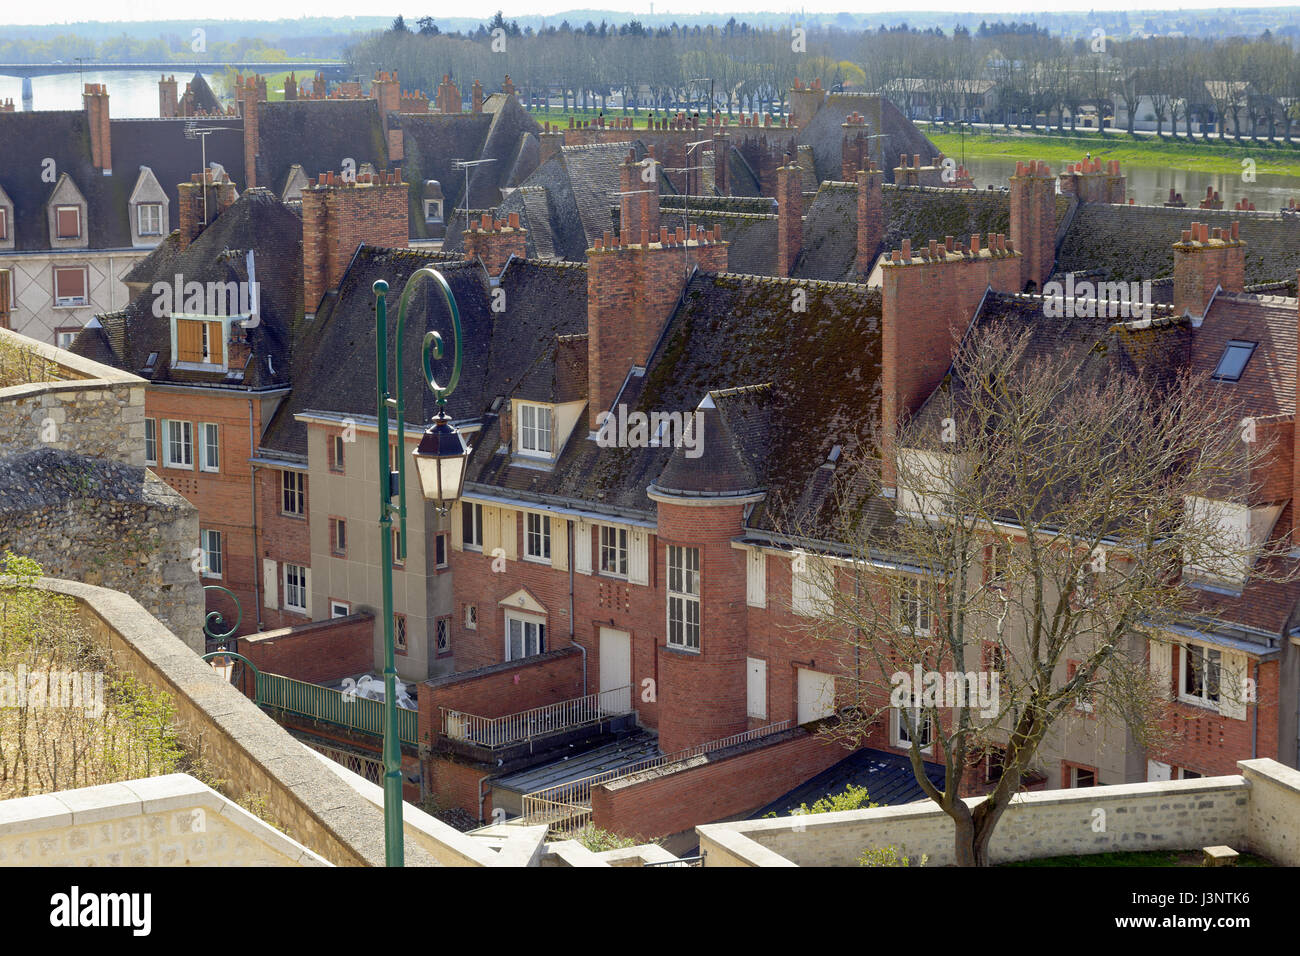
x=95 y=99
x=929 y=298
x=167 y=100
x=871 y=217
x=338 y=216
x=495 y=241
x=1033 y=222
x=1205 y=260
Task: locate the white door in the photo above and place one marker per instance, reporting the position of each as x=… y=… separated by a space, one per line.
x=1158 y=770
x=816 y=695
x=756 y=688
x=615 y=669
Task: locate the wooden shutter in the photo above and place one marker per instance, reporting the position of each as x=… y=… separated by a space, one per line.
x=5 y=297
x=491 y=529
x=756 y=688
x=582 y=547
x=1162 y=666
x=458 y=526
x=1233 y=694
x=216 y=344
x=189 y=341
x=270 y=584
x=510 y=534
x=638 y=556
x=756 y=578
x=560 y=543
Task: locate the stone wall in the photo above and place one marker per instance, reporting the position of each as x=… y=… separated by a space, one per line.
x=75 y=495
x=1257 y=811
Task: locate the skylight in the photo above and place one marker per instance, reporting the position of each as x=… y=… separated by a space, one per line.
x=1234 y=359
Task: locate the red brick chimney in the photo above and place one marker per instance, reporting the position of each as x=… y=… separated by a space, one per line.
x=632 y=289
x=805 y=102
x=1033 y=222
x=388 y=92
x=871 y=217
x=337 y=217
x=495 y=241
x=721 y=160
x=167 y=101
x=639 y=199
x=550 y=142
x=855 y=150
x=291 y=87
x=248 y=93
x=221 y=196
x=1205 y=260
x=929 y=298
x=476 y=97
x=447 y=98
x=95 y=99
x=789 y=217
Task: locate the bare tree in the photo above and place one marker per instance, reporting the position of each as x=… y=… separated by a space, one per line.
x=1050 y=503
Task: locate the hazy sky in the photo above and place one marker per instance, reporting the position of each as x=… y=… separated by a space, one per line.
x=72 y=10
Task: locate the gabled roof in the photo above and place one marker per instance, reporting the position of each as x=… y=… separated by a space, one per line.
x=318 y=135
x=257 y=221
x=1268 y=382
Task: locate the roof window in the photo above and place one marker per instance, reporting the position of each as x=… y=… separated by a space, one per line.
x=1234 y=359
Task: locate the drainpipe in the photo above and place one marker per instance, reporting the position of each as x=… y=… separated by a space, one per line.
x=252 y=477
x=571 y=640
x=481 y=795
x=1254 y=727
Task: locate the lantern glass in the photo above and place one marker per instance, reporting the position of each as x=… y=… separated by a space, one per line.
x=440 y=461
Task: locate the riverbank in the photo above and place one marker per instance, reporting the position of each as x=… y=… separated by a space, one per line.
x=1057 y=149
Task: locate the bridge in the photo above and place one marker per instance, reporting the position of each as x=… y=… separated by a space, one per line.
x=331 y=68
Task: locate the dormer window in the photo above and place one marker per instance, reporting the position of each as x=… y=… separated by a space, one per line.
x=149 y=219
x=535 y=430
x=198 y=342
x=1226 y=539
x=1233 y=361
x=433 y=210
x=4 y=223
x=67 y=220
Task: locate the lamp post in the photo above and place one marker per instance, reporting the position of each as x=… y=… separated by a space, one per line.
x=217 y=619
x=440 y=465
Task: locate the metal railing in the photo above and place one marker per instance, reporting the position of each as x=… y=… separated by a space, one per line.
x=333 y=707
x=372 y=768
x=497 y=732
x=551 y=805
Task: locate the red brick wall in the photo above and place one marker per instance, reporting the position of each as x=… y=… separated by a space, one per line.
x=496 y=241
x=455 y=783
x=507 y=689
x=282 y=538
x=338 y=217
x=1033 y=222
x=318 y=653
x=1211 y=744
x=871 y=217
x=675 y=802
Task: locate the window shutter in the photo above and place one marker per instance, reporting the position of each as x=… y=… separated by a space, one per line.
x=1232 y=686
x=582 y=547
x=509 y=534
x=270 y=584
x=491 y=529
x=756 y=580
x=638 y=556
x=458 y=526
x=1162 y=666
x=559 y=543
x=306 y=587
x=189 y=341
x=756 y=688
x=216 y=344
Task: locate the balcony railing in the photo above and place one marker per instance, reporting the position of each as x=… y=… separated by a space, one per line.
x=333 y=707
x=495 y=733
x=566 y=808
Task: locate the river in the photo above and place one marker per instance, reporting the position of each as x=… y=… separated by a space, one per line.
x=131 y=93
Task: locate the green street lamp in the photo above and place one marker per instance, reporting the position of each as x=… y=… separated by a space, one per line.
x=440 y=465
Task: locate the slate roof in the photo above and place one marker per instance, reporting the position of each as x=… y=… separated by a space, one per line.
x=824 y=133
x=161 y=145
x=257 y=221
x=888 y=778
x=317 y=135
x=1131 y=243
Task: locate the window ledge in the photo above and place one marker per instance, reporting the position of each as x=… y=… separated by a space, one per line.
x=1199 y=704
x=685 y=651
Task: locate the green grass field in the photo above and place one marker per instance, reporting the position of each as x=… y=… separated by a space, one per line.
x=1056 y=149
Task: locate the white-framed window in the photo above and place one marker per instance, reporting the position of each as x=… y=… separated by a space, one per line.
x=684 y=597
x=209 y=447
x=340 y=608
x=295 y=587
x=1200 y=675
x=67 y=222
x=70 y=286
x=336 y=463
x=210 y=541
x=1082 y=776
x=64 y=338
x=916 y=605
x=537 y=537
x=178 y=447
x=471 y=518
x=471 y=617
x=433 y=210
x=913 y=716
x=293 y=492
x=534 y=429
x=613 y=551
x=399 y=557
x=4 y=222
x=150 y=441
x=148 y=219
x=525 y=635
x=339 y=536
